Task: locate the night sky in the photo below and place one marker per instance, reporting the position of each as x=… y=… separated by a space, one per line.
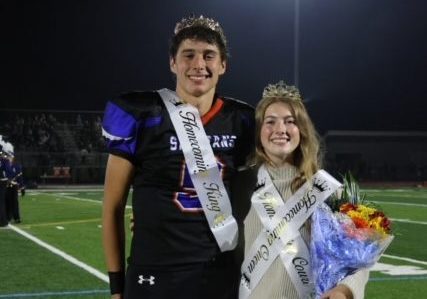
x=362 y=64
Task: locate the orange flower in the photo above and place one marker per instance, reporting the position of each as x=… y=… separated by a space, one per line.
x=359 y=222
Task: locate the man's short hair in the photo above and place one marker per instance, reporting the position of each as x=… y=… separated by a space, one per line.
x=199 y=33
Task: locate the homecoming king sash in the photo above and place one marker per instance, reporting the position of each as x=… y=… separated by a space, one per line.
x=280 y=236
x=203 y=169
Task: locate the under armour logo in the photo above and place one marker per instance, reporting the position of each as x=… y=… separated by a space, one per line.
x=142 y=279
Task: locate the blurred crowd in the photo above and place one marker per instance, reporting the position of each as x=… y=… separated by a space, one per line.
x=45 y=140
x=53 y=132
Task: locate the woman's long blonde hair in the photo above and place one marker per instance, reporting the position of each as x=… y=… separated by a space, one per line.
x=306 y=157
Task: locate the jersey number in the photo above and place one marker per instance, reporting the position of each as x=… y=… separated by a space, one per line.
x=186 y=199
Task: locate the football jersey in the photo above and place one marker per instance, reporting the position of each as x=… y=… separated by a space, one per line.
x=169 y=223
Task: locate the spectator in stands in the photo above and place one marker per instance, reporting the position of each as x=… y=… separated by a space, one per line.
x=79 y=122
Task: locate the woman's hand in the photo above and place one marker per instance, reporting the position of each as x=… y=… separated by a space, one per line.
x=339 y=292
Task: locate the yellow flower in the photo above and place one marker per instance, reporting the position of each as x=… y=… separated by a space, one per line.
x=365 y=211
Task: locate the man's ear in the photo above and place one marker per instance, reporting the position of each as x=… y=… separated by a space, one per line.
x=172 y=64
x=224 y=67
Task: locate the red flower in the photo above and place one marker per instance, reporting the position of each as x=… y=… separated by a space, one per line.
x=386 y=224
x=376 y=214
x=345 y=208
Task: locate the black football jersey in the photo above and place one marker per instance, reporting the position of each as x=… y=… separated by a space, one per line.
x=170 y=225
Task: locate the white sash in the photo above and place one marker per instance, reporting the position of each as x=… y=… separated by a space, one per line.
x=203 y=169
x=281 y=235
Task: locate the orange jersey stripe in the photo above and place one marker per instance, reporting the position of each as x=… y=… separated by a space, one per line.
x=213 y=111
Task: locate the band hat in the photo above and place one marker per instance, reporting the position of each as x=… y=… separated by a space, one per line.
x=2 y=144
x=8 y=149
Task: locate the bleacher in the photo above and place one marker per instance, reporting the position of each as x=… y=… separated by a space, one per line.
x=56 y=146
x=373 y=157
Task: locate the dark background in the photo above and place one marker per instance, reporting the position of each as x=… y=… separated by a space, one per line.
x=361 y=63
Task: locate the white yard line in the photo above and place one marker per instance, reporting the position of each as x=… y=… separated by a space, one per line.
x=74 y=198
x=62 y=254
x=404 y=259
x=387 y=190
x=421 y=205
x=66 y=189
x=409 y=221
x=80 y=199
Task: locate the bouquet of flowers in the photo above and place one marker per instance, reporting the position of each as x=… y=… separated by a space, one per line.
x=347 y=235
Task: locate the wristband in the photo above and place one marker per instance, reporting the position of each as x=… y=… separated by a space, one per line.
x=117 y=282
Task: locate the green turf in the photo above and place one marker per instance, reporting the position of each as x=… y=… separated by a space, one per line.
x=413 y=196
x=28 y=267
x=394 y=289
x=70 y=221
x=400 y=286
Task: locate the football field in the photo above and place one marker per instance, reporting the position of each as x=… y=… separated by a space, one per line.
x=56 y=252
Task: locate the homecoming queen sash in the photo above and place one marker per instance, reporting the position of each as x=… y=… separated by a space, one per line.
x=280 y=236
x=203 y=169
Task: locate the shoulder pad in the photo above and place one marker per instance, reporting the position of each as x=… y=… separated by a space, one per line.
x=237 y=102
x=138 y=102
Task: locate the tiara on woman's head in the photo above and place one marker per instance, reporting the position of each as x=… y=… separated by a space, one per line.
x=280 y=89
x=202 y=22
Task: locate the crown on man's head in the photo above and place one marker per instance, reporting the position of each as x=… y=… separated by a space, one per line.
x=201 y=21
x=280 y=89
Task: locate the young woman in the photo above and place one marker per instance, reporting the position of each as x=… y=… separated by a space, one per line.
x=287 y=152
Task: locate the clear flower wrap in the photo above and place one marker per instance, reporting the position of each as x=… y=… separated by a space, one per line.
x=340 y=245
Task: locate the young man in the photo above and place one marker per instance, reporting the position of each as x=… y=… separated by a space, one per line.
x=178 y=150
